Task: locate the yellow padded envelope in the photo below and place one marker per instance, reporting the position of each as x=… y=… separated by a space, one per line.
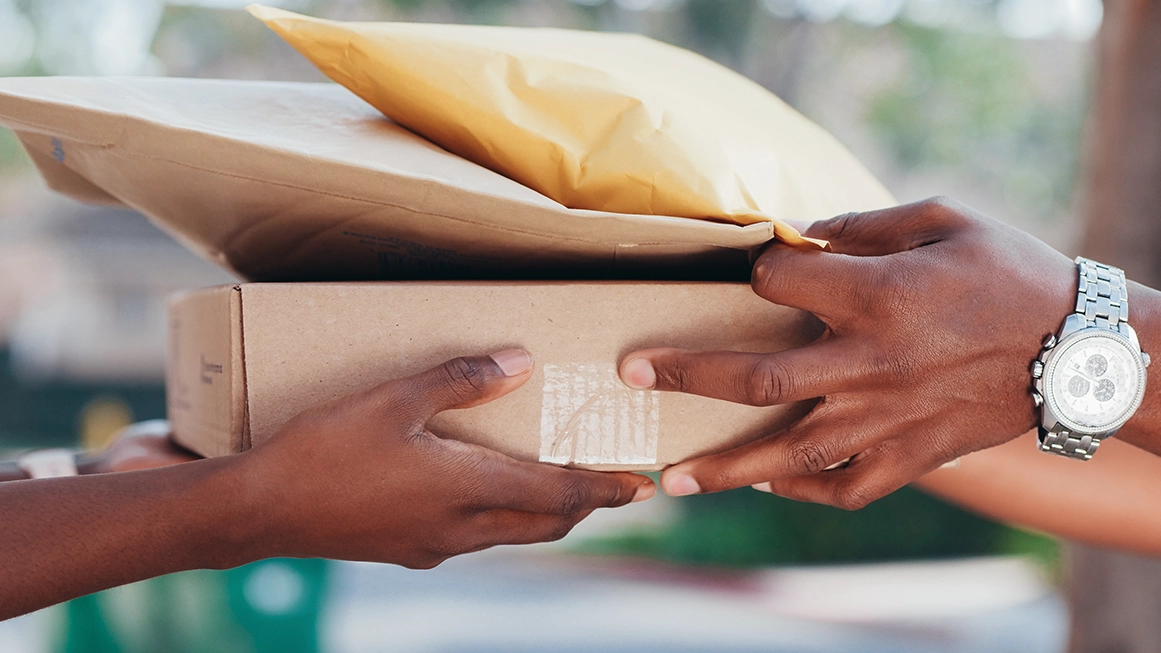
x=609 y=122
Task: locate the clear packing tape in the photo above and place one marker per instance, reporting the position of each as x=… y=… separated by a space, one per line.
x=607 y=122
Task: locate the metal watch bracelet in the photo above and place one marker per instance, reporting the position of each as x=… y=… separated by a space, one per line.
x=1103 y=302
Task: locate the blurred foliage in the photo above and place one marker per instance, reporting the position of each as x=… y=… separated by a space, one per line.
x=11 y=153
x=404 y=5
x=969 y=102
x=720 y=27
x=487 y=12
x=32 y=66
x=745 y=528
x=49 y=414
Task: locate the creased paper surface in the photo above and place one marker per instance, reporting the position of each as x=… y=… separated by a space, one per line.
x=281 y=181
x=609 y=122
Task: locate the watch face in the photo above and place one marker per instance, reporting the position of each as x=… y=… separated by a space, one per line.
x=1096 y=382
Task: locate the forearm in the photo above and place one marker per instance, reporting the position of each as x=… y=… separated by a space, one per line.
x=67 y=537
x=1144 y=429
x=1112 y=500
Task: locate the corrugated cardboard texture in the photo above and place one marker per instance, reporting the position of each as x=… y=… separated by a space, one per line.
x=205 y=380
x=307 y=343
x=294 y=182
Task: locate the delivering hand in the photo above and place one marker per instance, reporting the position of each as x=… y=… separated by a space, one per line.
x=934 y=314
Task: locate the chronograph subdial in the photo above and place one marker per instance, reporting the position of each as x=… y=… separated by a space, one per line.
x=1095 y=381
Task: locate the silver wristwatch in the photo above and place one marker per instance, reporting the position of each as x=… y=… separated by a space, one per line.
x=1090 y=379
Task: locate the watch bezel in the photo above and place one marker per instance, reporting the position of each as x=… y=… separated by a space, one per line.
x=1050 y=386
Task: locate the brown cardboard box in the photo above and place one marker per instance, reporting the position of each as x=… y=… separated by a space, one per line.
x=245 y=359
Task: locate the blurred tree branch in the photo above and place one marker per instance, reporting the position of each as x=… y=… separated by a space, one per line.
x=1122 y=202
x=1115 y=597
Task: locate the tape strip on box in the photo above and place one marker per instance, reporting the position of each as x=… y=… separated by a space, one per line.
x=588 y=417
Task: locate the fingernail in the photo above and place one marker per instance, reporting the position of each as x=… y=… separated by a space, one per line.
x=513 y=362
x=680 y=485
x=761 y=269
x=638 y=374
x=645 y=491
x=763 y=487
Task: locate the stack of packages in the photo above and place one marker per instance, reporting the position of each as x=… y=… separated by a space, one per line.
x=580 y=195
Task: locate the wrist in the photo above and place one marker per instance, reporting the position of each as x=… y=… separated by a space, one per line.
x=1141 y=430
x=274 y=517
x=1054 y=288
x=228 y=521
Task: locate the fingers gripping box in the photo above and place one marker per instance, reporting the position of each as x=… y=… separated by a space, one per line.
x=245 y=359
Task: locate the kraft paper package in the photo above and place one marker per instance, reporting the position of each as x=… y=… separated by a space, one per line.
x=600 y=121
x=306 y=182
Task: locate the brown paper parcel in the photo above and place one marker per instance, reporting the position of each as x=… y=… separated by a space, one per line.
x=595 y=120
x=306 y=182
x=245 y=359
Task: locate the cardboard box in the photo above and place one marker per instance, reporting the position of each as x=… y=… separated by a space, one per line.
x=245 y=359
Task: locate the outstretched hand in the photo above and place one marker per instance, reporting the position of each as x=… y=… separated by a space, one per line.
x=358 y=478
x=934 y=314
x=361 y=477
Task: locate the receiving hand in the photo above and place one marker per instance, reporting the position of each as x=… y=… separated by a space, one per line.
x=357 y=478
x=934 y=315
x=361 y=477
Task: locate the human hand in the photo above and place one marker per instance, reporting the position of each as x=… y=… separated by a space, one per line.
x=934 y=315
x=145 y=445
x=361 y=478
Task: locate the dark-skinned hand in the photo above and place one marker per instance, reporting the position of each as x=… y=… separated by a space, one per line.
x=398 y=493
x=358 y=478
x=934 y=314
